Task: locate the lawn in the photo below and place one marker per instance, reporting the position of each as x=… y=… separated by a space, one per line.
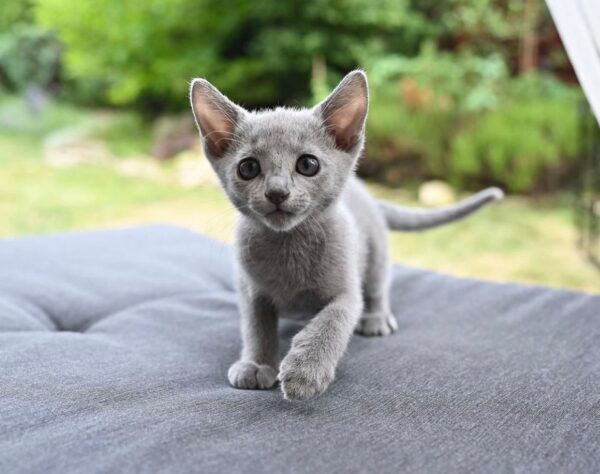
x=515 y=240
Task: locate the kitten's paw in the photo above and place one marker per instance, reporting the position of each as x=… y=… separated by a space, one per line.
x=301 y=380
x=246 y=374
x=376 y=324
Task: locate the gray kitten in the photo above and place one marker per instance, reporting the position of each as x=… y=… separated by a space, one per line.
x=310 y=241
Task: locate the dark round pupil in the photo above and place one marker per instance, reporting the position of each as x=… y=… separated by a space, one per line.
x=308 y=164
x=249 y=167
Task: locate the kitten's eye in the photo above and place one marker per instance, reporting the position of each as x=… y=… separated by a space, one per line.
x=308 y=165
x=249 y=168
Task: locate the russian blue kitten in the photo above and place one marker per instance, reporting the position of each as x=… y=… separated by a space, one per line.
x=310 y=239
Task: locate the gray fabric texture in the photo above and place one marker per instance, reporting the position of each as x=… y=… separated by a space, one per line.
x=114 y=348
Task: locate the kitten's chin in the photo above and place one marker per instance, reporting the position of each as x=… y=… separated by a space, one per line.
x=281 y=221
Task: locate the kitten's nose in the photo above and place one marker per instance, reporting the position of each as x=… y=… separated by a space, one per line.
x=277 y=196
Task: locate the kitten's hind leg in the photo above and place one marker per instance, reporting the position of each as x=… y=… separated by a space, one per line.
x=377 y=318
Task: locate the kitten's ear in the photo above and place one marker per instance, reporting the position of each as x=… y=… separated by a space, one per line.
x=216 y=116
x=345 y=110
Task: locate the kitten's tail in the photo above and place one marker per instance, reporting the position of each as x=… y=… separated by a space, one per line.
x=407 y=219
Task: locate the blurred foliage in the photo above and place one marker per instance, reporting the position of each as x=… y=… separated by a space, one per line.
x=455 y=92
x=260 y=52
x=529 y=142
x=14 y=12
x=488 y=26
x=413 y=120
x=460 y=80
x=523 y=136
x=29 y=56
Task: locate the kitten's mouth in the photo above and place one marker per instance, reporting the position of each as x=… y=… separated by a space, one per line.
x=279 y=212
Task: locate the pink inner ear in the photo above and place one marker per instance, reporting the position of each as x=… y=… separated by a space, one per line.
x=216 y=116
x=217 y=129
x=345 y=110
x=346 y=122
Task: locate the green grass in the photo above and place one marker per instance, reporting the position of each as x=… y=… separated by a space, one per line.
x=515 y=240
x=36 y=198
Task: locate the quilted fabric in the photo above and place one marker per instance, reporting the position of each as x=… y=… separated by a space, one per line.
x=114 y=348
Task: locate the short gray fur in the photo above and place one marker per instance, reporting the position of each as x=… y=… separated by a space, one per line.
x=319 y=250
x=114 y=348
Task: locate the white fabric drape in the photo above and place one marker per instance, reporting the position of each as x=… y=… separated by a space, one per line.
x=578 y=23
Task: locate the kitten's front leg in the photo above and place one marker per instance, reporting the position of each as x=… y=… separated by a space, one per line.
x=257 y=368
x=310 y=365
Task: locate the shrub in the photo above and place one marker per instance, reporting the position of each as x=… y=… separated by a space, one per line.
x=523 y=136
x=29 y=56
x=417 y=105
x=408 y=132
x=467 y=82
x=529 y=142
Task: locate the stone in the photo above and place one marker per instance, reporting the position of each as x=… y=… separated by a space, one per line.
x=436 y=193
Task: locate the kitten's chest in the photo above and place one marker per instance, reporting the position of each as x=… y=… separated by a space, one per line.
x=286 y=265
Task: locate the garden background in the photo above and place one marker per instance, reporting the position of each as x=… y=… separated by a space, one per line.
x=95 y=127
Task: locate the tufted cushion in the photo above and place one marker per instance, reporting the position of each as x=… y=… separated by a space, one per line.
x=114 y=348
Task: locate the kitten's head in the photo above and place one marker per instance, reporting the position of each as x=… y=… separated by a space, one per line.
x=282 y=166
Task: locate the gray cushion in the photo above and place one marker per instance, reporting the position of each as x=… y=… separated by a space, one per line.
x=114 y=348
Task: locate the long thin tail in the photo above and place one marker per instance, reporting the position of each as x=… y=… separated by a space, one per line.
x=407 y=219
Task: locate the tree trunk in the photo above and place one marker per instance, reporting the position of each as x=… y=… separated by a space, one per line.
x=528 y=54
